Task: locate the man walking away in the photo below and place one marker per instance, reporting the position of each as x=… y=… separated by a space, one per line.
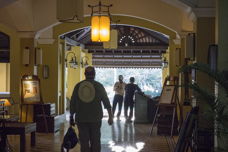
x=86 y=105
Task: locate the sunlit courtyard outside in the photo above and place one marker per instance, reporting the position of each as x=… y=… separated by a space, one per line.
x=149 y=80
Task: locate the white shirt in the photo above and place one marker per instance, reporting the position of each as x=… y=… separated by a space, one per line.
x=119 y=88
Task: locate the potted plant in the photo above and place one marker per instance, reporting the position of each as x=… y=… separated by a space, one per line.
x=216 y=105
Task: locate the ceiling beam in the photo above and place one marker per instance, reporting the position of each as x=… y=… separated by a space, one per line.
x=71 y=42
x=124 y=58
x=127 y=54
x=158 y=47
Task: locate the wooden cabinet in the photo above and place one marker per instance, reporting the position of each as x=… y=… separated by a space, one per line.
x=52 y=125
x=47 y=109
x=46 y=119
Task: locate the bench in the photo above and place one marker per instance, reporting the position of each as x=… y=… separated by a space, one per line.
x=18 y=128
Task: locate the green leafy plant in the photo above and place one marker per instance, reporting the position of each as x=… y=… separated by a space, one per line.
x=216 y=105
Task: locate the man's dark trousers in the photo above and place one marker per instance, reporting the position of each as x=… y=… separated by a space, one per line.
x=89 y=136
x=117 y=99
x=128 y=103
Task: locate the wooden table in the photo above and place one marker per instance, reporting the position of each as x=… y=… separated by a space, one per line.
x=19 y=128
x=9 y=118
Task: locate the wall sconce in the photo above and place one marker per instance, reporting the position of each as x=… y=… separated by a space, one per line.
x=164 y=63
x=73 y=62
x=26 y=56
x=84 y=62
x=100 y=23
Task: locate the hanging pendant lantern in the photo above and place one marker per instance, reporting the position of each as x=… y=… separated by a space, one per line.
x=100 y=24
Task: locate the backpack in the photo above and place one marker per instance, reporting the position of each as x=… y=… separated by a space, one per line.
x=70 y=139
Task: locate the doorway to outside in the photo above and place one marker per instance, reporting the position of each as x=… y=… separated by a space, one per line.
x=149 y=80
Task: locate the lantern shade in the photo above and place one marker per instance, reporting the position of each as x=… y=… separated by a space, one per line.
x=95 y=28
x=100 y=30
x=104 y=28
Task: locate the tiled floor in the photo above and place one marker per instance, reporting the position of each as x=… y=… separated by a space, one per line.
x=120 y=137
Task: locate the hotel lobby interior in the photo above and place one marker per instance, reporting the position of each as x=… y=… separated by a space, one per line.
x=46 y=45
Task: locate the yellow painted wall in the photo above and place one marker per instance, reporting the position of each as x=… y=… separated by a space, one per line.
x=49 y=86
x=173 y=69
x=205 y=35
x=76 y=75
x=4 y=77
x=73 y=75
x=85 y=56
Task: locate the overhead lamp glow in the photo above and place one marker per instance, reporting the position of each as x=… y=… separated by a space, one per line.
x=100 y=28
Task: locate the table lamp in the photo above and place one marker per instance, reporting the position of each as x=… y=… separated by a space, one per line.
x=5 y=101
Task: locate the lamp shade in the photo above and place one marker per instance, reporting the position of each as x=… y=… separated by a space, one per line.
x=5 y=99
x=104 y=28
x=95 y=28
x=6 y=102
x=100 y=28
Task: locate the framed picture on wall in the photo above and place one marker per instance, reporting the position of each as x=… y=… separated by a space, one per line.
x=30 y=90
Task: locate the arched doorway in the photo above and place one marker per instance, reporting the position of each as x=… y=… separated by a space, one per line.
x=61 y=29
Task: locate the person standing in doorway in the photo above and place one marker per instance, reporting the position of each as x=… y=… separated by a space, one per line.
x=118 y=97
x=86 y=105
x=130 y=90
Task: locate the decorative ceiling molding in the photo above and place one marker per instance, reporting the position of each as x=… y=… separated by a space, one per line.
x=177 y=41
x=26 y=34
x=45 y=41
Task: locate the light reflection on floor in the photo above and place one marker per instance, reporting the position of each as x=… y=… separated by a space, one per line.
x=122 y=136
x=121 y=148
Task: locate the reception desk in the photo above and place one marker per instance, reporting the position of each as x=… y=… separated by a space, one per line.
x=145 y=108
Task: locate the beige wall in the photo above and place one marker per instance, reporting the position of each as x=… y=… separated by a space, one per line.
x=205 y=35
x=49 y=86
x=4 y=77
